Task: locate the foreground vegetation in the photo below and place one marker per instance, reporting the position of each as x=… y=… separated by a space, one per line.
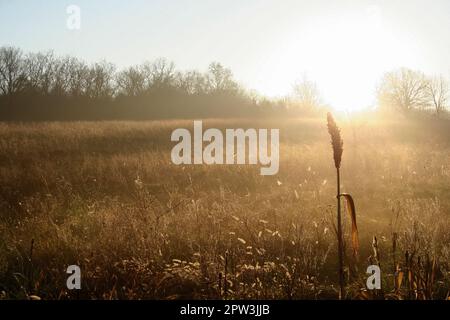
x=105 y=196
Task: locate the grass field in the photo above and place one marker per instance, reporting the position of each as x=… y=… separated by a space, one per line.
x=105 y=196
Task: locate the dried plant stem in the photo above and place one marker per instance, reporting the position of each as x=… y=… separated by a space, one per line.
x=339 y=236
x=337 y=143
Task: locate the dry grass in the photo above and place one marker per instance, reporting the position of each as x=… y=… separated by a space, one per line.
x=105 y=196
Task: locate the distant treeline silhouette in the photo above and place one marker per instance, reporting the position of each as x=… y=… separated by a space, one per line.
x=42 y=86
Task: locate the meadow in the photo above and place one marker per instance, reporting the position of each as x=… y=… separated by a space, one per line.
x=106 y=196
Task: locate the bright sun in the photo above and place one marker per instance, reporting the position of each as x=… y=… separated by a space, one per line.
x=346 y=56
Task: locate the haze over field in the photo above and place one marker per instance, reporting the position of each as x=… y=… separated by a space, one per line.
x=181 y=149
x=343 y=46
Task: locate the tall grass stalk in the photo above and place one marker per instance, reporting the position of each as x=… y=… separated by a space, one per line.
x=337 y=144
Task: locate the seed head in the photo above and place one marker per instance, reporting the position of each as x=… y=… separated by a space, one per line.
x=336 y=140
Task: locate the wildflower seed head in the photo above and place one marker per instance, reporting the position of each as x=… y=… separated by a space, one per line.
x=336 y=140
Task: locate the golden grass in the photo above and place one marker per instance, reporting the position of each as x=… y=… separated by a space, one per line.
x=105 y=196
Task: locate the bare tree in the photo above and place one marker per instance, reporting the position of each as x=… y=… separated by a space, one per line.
x=192 y=82
x=306 y=94
x=61 y=77
x=131 y=82
x=39 y=69
x=100 y=80
x=78 y=77
x=438 y=90
x=221 y=78
x=159 y=74
x=12 y=72
x=404 y=90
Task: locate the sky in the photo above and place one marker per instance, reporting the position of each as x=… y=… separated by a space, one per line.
x=345 y=46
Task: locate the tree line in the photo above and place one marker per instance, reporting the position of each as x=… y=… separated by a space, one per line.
x=43 y=86
x=408 y=91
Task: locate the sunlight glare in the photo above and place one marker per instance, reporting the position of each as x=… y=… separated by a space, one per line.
x=345 y=56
